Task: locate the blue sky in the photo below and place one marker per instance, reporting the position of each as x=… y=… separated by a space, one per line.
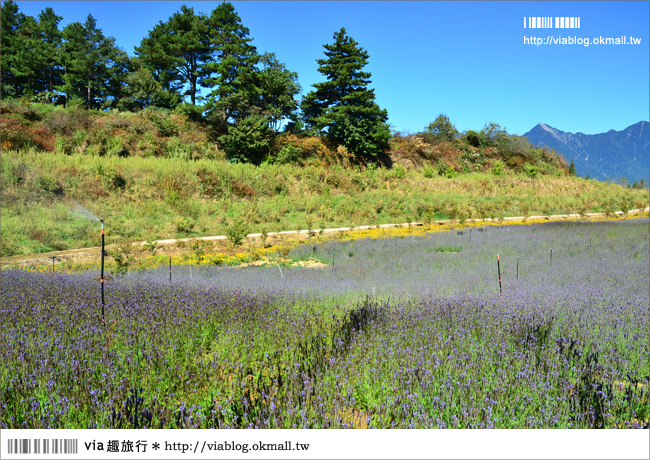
x=465 y=59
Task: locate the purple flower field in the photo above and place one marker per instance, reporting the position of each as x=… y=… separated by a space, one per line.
x=398 y=333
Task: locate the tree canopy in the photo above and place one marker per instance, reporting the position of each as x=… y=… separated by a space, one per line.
x=176 y=51
x=343 y=108
x=93 y=67
x=203 y=65
x=441 y=129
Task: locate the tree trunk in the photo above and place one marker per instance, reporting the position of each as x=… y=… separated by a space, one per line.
x=65 y=72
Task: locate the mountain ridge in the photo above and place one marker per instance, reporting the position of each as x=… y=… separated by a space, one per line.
x=604 y=156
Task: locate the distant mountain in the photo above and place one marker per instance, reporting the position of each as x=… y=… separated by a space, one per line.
x=606 y=156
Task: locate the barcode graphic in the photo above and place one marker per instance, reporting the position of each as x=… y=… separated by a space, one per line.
x=552 y=22
x=42 y=446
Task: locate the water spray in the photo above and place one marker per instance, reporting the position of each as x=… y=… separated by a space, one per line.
x=82 y=212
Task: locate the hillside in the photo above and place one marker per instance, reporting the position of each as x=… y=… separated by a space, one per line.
x=176 y=134
x=158 y=198
x=157 y=174
x=605 y=156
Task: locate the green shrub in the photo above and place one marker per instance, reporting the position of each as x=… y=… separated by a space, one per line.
x=429 y=171
x=531 y=171
x=249 y=141
x=149 y=145
x=447 y=170
x=184 y=225
x=63 y=145
x=493 y=134
x=176 y=148
x=191 y=111
x=399 y=172
x=50 y=184
x=236 y=232
x=498 y=168
x=161 y=120
x=115 y=147
x=471 y=157
x=123 y=258
x=474 y=139
x=288 y=154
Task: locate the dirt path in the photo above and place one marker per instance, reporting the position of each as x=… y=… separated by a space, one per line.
x=171 y=246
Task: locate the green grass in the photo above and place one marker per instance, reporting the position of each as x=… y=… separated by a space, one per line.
x=149 y=198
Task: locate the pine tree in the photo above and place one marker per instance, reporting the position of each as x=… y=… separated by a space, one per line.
x=176 y=51
x=343 y=108
x=94 y=67
x=231 y=72
x=29 y=53
x=38 y=56
x=250 y=95
x=13 y=41
x=27 y=57
x=572 y=169
x=142 y=90
x=278 y=89
x=49 y=72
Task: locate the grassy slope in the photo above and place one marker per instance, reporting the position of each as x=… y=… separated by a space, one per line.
x=156 y=174
x=153 y=198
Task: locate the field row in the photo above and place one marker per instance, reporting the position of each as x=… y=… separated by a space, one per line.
x=408 y=332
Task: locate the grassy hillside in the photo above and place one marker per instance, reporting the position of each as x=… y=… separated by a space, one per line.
x=157 y=175
x=153 y=198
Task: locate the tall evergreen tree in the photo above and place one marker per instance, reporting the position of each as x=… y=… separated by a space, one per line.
x=250 y=94
x=278 y=89
x=231 y=71
x=11 y=73
x=49 y=71
x=94 y=67
x=177 y=51
x=27 y=57
x=572 y=169
x=343 y=108
x=38 y=57
x=142 y=90
x=29 y=53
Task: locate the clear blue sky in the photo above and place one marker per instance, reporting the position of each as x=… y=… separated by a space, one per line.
x=465 y=59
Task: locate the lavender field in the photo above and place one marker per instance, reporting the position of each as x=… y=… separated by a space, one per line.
x=391 y=333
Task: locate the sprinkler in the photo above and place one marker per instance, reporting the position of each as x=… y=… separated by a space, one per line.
x=80 y=211
x=499 y=270
x=101 y=279
x=517 y=267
